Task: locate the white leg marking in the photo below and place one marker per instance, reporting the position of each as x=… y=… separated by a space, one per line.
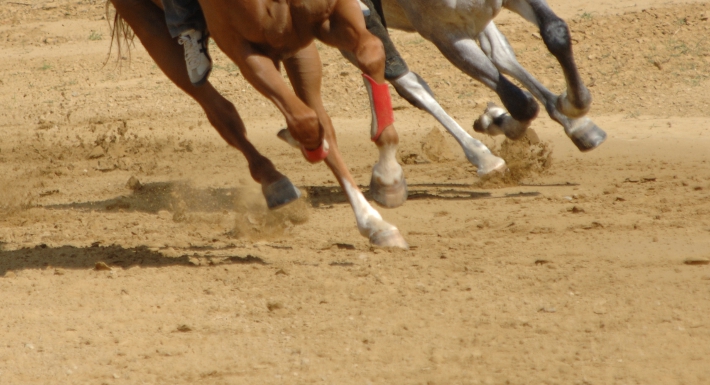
x=370 y=222
x=496 y=121
x=476 y=152
x=387 y=170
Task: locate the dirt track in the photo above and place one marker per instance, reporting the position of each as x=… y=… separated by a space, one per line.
x=593 y=270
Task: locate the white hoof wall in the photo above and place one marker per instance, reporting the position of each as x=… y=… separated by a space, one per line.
x=389 y=238
x=496 y=121
x=389 y=196
x=495 y=165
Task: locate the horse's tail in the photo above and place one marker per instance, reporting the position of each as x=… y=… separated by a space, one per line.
x=121 y=34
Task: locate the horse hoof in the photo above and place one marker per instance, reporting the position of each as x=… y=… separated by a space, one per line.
x=284 y=135
x=389 y=196
x=389 y=238
x=491 y=166
x=496 y=121
x=280 y=193
x=587 y=136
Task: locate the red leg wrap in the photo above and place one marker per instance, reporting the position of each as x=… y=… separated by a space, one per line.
x=320 y=153
x=381 y=106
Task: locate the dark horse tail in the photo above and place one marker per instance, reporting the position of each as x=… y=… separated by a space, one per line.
x=121 y=34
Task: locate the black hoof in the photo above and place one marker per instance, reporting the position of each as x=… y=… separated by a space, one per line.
x=478 y=127
x=389 y=196
x=588 y=136
x=280 y=193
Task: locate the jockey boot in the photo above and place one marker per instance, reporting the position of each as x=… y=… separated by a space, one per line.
x=197 y=58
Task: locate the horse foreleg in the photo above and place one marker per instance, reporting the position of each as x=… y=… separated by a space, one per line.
x=148 y=22
x=416 y=91
x=576 y=100
x=347 y=31
x=583 y=132
x=304 y=71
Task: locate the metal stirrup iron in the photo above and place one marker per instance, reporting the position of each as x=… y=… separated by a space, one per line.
x=382 y=114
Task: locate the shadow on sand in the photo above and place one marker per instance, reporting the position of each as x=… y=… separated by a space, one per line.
x=83 y=258
x=329 y=195
x=154 y=197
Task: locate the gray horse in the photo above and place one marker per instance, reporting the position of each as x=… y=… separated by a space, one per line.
x=456 y=26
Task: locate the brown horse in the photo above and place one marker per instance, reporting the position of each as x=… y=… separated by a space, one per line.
x=258 y=35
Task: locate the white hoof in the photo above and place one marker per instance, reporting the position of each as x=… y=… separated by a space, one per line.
x=389 y=196
x=389 y=238
x=491 y=166
x=497 y=121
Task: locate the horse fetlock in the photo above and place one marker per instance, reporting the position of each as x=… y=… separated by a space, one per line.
x=574 y=107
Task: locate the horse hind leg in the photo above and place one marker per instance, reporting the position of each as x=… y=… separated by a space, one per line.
x=513 y=121
x=520 y=106
x=148 y=23
x=417 y=92
x=576 y=100
x=583 y=132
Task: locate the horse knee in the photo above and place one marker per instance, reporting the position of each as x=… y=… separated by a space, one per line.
x=370 y=55
x=305 y=128
x=555 y=33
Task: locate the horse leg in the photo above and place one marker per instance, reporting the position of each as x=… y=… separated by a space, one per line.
x=347 y=32
x=576 y=100
x=583 y=132
x=521 y=107
x=416 y=91
x=304 y=71
x=148 y=22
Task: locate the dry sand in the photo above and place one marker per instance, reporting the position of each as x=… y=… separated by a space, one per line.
x=583 y=269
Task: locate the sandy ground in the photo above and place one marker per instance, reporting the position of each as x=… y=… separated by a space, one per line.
x=592 y=269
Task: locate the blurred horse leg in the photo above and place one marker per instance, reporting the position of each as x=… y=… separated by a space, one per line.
x=347 y=31
x=416 y=91
x=583 y=132
x=304 y=71
x=148 y=22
